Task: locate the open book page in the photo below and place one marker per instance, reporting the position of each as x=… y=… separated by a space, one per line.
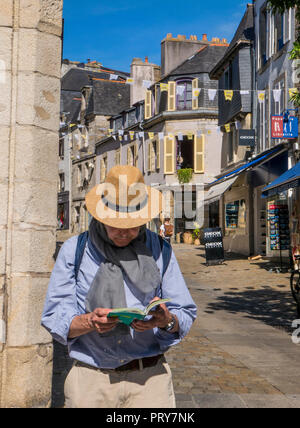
x=127 y=315
x=155 y=303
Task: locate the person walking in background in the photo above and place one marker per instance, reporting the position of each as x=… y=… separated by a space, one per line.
x=166 y=230
x=121 y=265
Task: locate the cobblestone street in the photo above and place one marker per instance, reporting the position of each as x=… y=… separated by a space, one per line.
x=239 y=352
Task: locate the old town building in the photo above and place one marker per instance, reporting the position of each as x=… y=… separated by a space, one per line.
x=173 y=130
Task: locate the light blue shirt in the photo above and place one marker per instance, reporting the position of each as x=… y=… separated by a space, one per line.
x=66 y=299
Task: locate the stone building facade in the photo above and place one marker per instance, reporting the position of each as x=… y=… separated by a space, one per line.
x=170 y=129
x=30 y=58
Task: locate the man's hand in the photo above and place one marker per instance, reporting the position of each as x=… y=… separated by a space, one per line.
x=99 y=321
x=161 y=316
x=94 y=321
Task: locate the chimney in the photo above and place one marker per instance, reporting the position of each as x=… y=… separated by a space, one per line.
x=175 y=50
x=140 y=71
x=204 y=37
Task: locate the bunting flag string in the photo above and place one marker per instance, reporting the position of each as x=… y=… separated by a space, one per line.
x=123 y=135
x=180 y=89
x=212 y=92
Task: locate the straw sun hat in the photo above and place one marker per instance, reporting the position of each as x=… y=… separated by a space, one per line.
x=123 y=200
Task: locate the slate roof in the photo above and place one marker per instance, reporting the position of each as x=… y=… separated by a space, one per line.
x=201 y=62
x=76 y=78
x=70 y=102
x=244 y=33
x=245 y=30
x=108 y=98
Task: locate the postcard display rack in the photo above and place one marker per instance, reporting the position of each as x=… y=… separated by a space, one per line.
x=278 y=225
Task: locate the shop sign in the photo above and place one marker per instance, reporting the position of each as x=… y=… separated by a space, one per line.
x=284 y=130
x=246 y=137
x=213 y=241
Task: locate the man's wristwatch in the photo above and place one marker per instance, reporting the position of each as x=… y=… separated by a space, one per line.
x=170 y=324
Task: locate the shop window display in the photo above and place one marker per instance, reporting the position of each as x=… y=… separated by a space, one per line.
x=279 y=231
x=235 y=215
x=295 y=228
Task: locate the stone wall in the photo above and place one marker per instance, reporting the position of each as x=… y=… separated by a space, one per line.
x=30 y=56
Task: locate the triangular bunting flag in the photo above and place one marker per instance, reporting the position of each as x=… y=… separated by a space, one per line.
x=212 y=94
x=180 y=90
x=164 y=87
x=261 y=96
x=113 y=77
x=227 y=127
x=147 y=84
x=196 y=92
x=228 y=95
x=277 y=95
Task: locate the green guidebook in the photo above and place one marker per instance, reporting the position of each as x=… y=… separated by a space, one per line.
x=127 y=315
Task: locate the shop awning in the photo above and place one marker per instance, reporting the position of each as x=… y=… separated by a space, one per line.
x=288 y=180
x=255 y=162
x=215 y=192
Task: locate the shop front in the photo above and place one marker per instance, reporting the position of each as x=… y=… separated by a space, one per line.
x=237 y=206
x=244 y=215
x=282 y=197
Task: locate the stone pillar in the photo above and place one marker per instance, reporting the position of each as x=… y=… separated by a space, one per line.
x=30 y=57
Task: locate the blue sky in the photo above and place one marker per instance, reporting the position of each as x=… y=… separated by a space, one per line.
x=113 y=32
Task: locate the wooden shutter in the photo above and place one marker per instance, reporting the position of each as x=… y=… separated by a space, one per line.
x=156 y=100
x=158 y=154
x=129 y=156
x=135 y=154
x=148 y=105
x=172 y=96
x=199 y=154
x=169 y=155
x=195 y=101
x=149 y=156
x=153 y=155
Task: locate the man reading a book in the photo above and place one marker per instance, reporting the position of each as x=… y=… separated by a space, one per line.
x=122 y=265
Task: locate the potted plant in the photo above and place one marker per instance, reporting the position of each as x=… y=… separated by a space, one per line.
x=196 y=235
x=185 y=175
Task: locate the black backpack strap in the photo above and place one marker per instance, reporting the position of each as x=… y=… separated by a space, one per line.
x=81 y=243
x=166 y=251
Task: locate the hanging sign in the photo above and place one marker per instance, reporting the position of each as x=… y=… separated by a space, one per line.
x=246 y=137
x=284 y=129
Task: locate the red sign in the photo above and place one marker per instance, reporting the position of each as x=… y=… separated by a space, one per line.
x=277 y=126
x=286 y=128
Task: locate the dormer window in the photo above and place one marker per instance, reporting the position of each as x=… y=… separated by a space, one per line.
x=184 y=94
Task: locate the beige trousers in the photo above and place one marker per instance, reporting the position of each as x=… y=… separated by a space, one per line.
x=150 y=387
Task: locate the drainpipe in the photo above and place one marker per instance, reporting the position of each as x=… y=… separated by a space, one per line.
x=252 y=208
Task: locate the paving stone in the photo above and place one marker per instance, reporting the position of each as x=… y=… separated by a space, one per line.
x=238 y=350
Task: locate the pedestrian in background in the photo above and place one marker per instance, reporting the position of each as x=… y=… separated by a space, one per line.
x=166 y=230
x=123 y=265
